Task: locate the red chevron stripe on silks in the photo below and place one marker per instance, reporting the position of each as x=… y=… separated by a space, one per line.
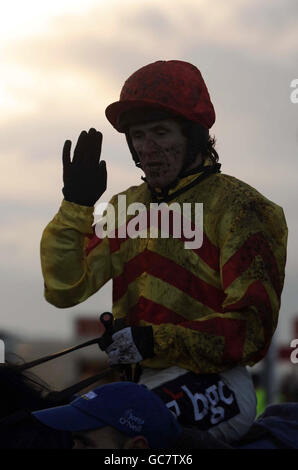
x=152 y=312
x=170 y=272
x=257 y=296
x=116 y=242
x=232 y=330
x=241 y=260
x=207 y=252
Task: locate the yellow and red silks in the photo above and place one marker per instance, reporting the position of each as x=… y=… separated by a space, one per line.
x=211 y=308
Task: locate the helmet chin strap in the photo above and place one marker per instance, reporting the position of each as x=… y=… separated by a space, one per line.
x=163 y=195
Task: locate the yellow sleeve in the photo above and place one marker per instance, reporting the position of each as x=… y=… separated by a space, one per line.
x=70 y=274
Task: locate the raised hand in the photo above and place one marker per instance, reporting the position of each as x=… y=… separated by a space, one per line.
x=85 y=177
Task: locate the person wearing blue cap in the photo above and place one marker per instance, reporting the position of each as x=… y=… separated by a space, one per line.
x=120 y=415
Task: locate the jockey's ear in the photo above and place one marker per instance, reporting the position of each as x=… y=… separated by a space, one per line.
x=137 y=442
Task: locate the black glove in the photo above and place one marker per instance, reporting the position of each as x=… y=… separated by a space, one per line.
x=131 y=345
x=85 y=178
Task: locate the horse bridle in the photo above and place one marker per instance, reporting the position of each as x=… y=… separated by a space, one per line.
x=102 y=341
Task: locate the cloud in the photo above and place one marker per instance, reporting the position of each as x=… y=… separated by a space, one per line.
x=129 y=35
x=269 y=16
x=39 y=182
x=151 y=19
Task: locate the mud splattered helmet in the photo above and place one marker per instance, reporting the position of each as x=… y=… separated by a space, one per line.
x=161 y=90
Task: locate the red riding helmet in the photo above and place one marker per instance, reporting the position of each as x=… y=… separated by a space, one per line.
x=175 y=87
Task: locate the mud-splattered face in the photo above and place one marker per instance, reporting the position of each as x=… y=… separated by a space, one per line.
x=161 y=148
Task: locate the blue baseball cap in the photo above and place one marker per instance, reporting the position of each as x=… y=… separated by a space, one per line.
x=126 y=406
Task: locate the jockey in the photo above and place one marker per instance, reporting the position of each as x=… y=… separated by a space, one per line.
x=193 y=314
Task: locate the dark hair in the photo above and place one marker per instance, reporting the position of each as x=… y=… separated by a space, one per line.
x=199 y=140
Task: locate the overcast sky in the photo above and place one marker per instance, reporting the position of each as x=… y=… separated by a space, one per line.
x=63 y=62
